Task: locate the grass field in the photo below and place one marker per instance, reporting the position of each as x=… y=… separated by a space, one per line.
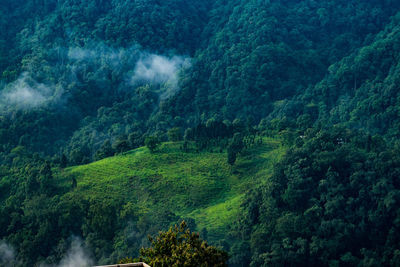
x=201 y=185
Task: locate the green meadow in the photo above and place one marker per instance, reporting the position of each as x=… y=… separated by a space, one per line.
x=198 y=185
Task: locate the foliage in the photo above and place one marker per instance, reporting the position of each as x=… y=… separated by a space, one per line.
x=320 y=77
x=152 y=142
x=361 y=90
x=113 y=204
x=180 y=247
x=175 y=134
x=330 y=201
x=126 y=260
x=259 y=54
x=231 y=156
x=82 y=52
x=235 y=147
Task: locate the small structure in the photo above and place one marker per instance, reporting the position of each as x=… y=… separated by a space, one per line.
x=137 y=264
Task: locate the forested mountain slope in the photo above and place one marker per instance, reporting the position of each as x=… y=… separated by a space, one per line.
x=362 y=90
x=113 y=204
x=77 y=59
x=332 y=201
x=272 y=50
x=282 y=117
x=73 y=57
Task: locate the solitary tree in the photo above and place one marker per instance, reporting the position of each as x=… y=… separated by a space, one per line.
x=231 y=156
x=105 y=151
x=152 y=143
x=45 y=178
x=121 y=145
x=235 y=146
x=180 y=247
x=175 y=134
x=63 y=161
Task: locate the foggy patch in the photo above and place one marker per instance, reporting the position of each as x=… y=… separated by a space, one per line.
x=76 y=256
x=77 y=53
x=26 y=93
x=103 y=55
x=136 y=65
x=159 y=69
x=7 y=253
x=96 y=65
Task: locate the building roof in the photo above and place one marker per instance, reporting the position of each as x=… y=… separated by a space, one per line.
x=137 y=264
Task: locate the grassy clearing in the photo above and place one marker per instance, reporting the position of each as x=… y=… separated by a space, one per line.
x=197 y=185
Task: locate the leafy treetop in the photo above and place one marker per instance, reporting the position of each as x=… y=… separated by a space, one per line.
x=180 y=247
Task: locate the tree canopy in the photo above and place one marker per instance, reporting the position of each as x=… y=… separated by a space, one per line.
x=180 y=247
x=87 y=80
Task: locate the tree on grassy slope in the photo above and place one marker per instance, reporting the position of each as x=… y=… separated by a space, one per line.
x=152 y=142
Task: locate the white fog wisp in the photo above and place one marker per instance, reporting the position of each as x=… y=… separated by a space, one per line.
x=7 y=253
x=157 y=69
x=76 y=256
x=129 y=68
x=26 y=93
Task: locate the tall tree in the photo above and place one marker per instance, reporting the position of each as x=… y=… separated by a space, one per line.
x=180 y=247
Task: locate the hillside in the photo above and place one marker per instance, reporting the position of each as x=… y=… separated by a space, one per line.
x=277 y=126
x=78 y=73
x=202 y=186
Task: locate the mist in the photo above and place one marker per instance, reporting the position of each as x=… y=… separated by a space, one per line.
x=26 y=93
x=72 y=67
x=7 y=254
x=135 y=64
x=77 y=256
x=159 y=69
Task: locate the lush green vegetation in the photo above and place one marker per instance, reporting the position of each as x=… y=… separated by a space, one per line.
x=249 y=58
x=270 y=127
x=119 y=200
x=180 y=247
x=330 y=202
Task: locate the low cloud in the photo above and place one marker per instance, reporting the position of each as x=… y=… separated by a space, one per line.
x=102 y=54
x=77 y=53
x=7 y=254
x=138 y=66
x=77 y=256
x=123 y=68
x=158 y=69
x=26 y=93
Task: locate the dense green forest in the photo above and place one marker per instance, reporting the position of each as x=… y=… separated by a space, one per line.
x=271 y=127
